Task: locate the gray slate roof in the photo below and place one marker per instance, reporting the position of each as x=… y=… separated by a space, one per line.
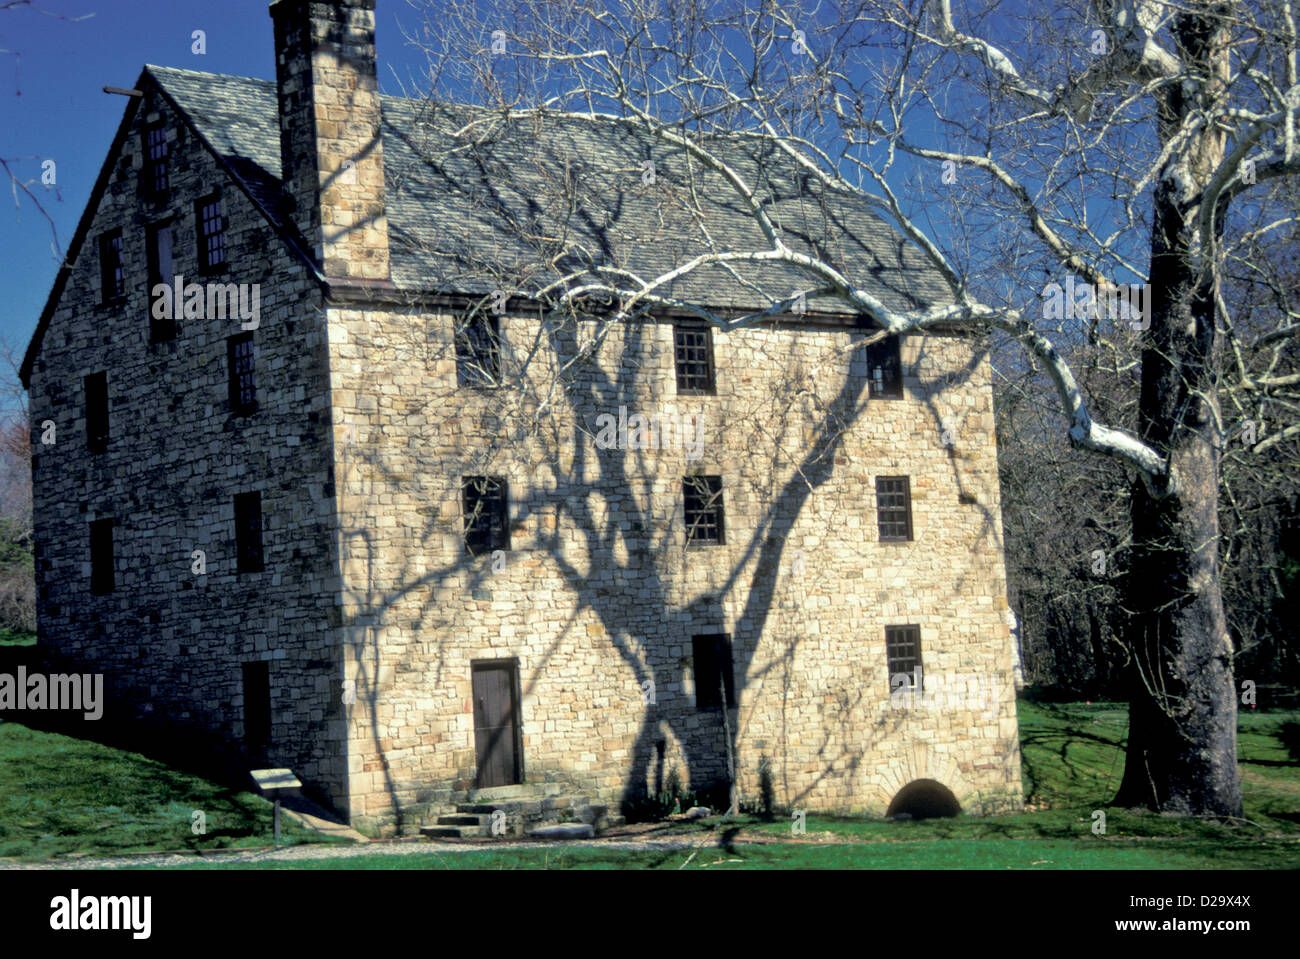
x=520 y=199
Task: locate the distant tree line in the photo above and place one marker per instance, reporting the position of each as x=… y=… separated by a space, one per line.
x=17 y=566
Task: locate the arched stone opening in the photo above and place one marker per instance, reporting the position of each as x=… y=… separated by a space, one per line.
x=924 y=799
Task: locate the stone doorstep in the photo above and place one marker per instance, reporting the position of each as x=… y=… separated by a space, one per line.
x=520 y=791
x=514 y=807
x=528 y=807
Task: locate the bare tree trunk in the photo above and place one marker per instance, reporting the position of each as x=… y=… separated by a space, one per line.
x=1182 y=754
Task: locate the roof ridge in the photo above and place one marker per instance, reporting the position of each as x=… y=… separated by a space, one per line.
x=153 y=67
x=204 y=73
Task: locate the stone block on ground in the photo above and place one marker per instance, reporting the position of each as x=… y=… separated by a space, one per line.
x=564 y=830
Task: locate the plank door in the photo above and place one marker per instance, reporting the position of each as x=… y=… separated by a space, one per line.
x=495 y=730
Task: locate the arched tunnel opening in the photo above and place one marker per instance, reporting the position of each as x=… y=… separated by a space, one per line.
x=924 y=799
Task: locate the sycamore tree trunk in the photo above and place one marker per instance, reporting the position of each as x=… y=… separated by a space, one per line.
x=1182 y=752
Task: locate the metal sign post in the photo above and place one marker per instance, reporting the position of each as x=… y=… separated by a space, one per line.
x=274 y=783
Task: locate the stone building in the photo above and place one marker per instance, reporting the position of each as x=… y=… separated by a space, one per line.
x=319 y=483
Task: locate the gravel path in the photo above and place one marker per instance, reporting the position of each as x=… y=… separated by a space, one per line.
x=396 y=847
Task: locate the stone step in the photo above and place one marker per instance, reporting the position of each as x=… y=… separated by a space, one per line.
x=512 y=807
x=568 y=807
x=476 y=809
x=462 y=819
x=564 y=830
x=520 y=791
x=527 y=807
x=552 y=808
x=450 y=832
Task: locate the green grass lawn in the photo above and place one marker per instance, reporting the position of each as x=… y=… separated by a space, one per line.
x=60 y=795
x=934 y=854
x=16 y=637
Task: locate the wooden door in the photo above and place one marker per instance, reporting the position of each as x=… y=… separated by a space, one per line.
x=495 y=724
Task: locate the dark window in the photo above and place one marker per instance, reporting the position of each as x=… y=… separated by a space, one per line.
x=894 y=508
x=257 y=703
x=903 y=652
x=161 y=270
x=885 y=369
x=155 y=161
x=212 y=234
x=693 y=348
x=712 y=658
x=96 y=387
x=248 y=532
x=486 y=514
x=703 y=498
x=101 y=557
x=478 y=351
x=243 y=384
x=111 y=273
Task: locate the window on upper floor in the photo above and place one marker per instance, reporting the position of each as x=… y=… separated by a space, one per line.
x=210 y=222
x=894 y=508
x=95 y=387
x=112 y=275
x=885 y=369
x=714 y=676
x=903 y=654
x=702 y=498
x=478 y=351
x=161 y=270
x=693 y=354
x=154 y=174
x=102 y=580
x=248 y=532
x=486 y=511
x=243 y=381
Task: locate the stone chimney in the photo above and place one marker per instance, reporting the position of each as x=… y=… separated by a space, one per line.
x=331 y=150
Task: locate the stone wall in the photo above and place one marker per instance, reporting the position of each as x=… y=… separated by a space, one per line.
x=169 y=641
x=599 y=594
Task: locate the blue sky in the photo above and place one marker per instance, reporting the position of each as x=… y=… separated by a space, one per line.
x=52 y=106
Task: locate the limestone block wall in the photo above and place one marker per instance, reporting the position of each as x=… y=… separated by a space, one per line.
x=599 y=595
x=169 y=641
